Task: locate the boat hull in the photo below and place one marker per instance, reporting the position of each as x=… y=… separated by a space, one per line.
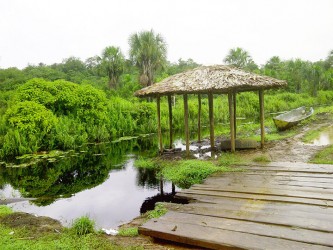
x=291 y=118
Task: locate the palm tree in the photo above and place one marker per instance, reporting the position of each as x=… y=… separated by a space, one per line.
x=113 y=63
x=148 y=52
x=240 y=58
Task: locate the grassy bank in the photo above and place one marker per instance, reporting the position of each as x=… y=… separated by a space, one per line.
x=325 y=156
x=29 y=234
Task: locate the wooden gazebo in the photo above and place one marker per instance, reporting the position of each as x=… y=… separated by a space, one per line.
x=216 y=79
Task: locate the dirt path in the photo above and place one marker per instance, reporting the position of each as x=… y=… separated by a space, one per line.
x=293 y=149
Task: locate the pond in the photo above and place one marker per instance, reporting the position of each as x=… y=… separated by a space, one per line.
x=325 y=137
x=100 y=181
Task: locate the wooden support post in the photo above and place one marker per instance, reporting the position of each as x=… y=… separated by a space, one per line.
x=232 y=121
x=211 y=120
x=161 y=186
x=159 y=130
x=187 y=133
x=170 y=120
x=262 y=117
x=235 y=117
x=199 y=117
x=173 y=189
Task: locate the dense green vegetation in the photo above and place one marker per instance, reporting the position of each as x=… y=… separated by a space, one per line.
x=62 y=106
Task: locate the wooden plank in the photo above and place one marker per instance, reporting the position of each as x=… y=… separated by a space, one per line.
x=271 y=179
x=278 y=206
x=270 y=184
x=233 y=177
x=275 y=231
x=216 y=238
x=291 y=174
x=289 y=169
x=191 y=194
x=294 y=165
x=300 y=164
x=323 y=195
x=297 y=219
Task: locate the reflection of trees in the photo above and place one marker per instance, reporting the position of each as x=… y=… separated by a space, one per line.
x=147 y=178
x=84 y=169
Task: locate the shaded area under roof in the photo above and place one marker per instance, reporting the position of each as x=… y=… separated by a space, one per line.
x=211 y=79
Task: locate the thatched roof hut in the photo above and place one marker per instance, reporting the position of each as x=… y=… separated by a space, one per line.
x=216 y=79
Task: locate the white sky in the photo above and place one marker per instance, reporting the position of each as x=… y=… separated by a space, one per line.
x=49 y=31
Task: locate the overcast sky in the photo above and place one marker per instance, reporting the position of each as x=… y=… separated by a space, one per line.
x=49 y=31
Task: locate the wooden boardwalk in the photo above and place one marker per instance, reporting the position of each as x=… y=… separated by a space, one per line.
x=275 y=206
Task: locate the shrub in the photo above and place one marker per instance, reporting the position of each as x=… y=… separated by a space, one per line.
x=83 y=225
x=188 y=172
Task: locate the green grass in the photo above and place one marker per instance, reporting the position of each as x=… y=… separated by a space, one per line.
x=83 y=225
x=128 y=232
x=24 y=238
x=145 y=163
x=262 y=159
x=185 y=173
x=4 y=210
x=325 y=156
x=228 y=159
x=159 y=211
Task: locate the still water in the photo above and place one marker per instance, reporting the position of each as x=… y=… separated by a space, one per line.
x=100 y=181
x=325 y=137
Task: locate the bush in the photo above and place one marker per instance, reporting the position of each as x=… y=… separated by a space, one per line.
x=188 y=172
x=83 y=225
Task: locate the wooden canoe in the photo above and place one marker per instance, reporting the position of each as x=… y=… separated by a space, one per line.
x=292 y=117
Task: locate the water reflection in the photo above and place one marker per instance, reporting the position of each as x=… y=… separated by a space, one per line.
x=325 y=137
x=84 y=169
x=95 y=180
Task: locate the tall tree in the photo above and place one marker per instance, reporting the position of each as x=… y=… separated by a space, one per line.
x=148 y=52
x=329 y=60
x=113 y=63
x=240 y=58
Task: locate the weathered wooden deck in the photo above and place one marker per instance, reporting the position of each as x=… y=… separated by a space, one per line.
x=276 y=206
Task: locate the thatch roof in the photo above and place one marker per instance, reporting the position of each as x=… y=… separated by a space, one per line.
x=211 y=79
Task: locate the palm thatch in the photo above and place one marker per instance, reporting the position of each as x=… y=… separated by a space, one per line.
x=211 y=79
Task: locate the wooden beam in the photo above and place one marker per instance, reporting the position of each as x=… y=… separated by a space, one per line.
x=232 y=121
x=170 y=120
x=211 y=120
x=159 y=130
x=235 y=117
x=262 y=117
x=199 y=117
x=187 y=134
